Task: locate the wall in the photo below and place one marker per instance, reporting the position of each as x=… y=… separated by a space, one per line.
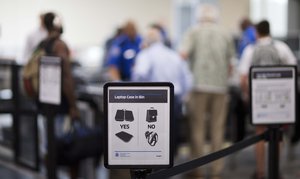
x=232 y=11
x=86 y=22
x=293 y=18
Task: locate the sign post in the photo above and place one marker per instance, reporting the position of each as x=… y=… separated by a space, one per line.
x=50 y=87
x=273 y=103
x=138 y=126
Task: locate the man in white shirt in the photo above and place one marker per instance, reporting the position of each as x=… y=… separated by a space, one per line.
x=158 y=63
x=32 y=41
x=256 y=55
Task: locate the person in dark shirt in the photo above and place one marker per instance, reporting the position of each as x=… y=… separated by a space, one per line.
x=54 y=46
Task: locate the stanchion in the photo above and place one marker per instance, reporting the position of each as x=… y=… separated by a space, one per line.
x=51 y=156
x=274 y=140
x=50 y=90
x=139 y=173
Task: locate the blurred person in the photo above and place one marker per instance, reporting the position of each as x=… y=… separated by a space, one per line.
x=237 y=107
x=165 y=38
x=54 y=46
x=158 y=63
x=33 y=39
x=266 y=51
x=120 y=61
x=209 y=49
x=248 y=35
x=109 y=42
x=123 y=52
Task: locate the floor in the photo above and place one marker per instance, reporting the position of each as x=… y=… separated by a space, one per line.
x=237 y=166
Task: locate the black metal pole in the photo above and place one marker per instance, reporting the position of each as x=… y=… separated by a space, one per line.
x=274 y=139
x=139 y=173
x=51 y=156
x=16 y=105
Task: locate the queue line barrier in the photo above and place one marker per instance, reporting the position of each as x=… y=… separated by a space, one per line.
x=272 y=135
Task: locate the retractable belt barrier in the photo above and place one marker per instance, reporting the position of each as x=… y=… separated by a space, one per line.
x=22 y=113
x=272 y=101
x=208 y=158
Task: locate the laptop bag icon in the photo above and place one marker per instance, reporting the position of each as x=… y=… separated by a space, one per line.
x=124 y=115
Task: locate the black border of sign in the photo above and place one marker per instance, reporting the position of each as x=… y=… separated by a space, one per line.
x=137 y=84
x=250 y=91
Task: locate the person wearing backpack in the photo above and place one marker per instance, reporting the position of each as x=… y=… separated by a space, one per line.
x=54 y=46
x=266 y=51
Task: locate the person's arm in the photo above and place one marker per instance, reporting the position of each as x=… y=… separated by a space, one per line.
x=61 y=50
x=244 y=67
x=113 y=63
x=244 y=86
x=288 y=55
x=114 y=73
x=186 y=79
x=230 y=55
x=187 y=45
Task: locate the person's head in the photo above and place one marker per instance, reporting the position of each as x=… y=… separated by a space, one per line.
x=245 y=23
x=160 y=28
x=208 y=13
x=262 y=29
x=130 y=30
x=52 y=23
x=153 y=35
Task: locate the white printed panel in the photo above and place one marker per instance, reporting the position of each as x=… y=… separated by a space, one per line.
x=50 y=80
x=139 y=126
x=273 y=95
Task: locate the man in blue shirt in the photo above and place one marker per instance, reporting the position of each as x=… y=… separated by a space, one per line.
x=248 y=36
x=123 y=52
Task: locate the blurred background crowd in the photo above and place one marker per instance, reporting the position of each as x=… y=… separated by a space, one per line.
x=204 y=47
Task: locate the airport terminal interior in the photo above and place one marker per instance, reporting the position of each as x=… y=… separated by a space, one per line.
x=57 y=121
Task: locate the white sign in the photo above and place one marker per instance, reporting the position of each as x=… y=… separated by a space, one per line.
x=50 y=80
x=138 y=121
x=273 y=95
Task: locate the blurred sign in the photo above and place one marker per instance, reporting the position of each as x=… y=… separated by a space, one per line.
x=138 y=120
x=50 y=80
x=273 y=94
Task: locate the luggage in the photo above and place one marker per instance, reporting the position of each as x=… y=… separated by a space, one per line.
x=31 y=69
x=266 y=55
x=80 y=143
x=124 y=115
x=151 y=115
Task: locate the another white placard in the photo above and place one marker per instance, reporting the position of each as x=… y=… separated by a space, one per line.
x=139 y=125
x=273 y=95
x=50 y=80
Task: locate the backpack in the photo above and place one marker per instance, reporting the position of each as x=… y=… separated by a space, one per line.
x=266 y=55
x=30 y=73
